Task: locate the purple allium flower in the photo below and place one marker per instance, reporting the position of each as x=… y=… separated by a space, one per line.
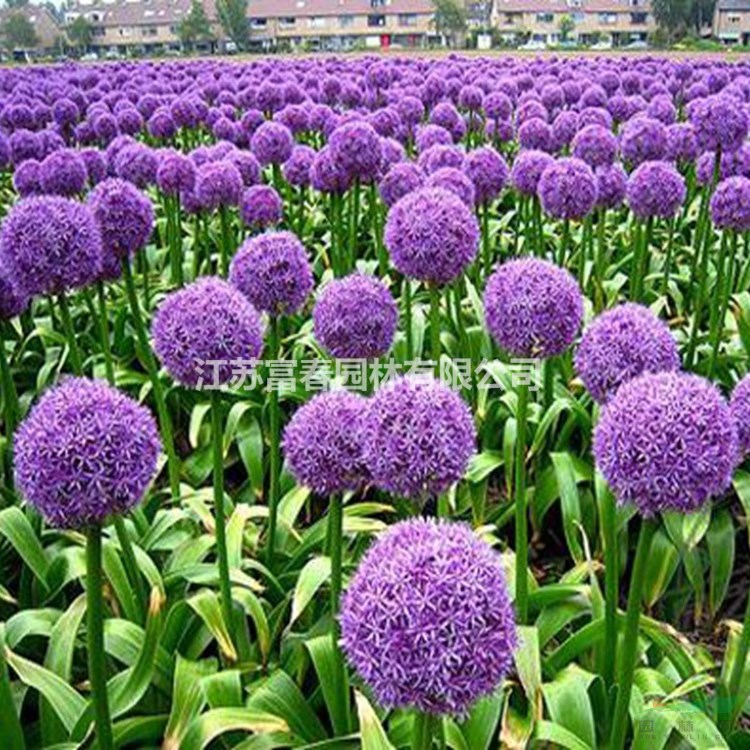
x=666 y=441
x=161 y=125
x=432 y=135
x=49 y=245
x=26 y=178
x=611 y=184
x=400 y=180
x=218 y=183
x=739 y=406
x=200 y=330
x=682 y=145
x=296 y=169
x=431 y=235
x=248 y=166
x=719 y=122
x=567 y=189
x=96 y=167
x=323 y=443
x=65 y=112
x=527 y=171
x=731 y=164
x=533 y=308
x=355 y=318
x=535 y=134
x=655 y=189
x=643 y=139
x=12 y=302
x=730 y=204
x=564 y=128
x=125 y=218
x=261 y=206
x=419 y=437
x=356 y=150
x=595 y=145
x=392 y=153
x=24 y=145
x=272 y=143
x=175 y=174
x=438 y=157
x=621 y=344
x=137 y=164
x=326 y=176
x=273 y=272
x=497 y=106
x=488 y=171
x=85 y=451
x=454 y=181
x=427 y=621
x=63 y=173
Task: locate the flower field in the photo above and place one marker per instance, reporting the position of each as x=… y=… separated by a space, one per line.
x=375 y=403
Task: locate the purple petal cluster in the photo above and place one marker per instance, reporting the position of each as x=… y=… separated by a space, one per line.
x=175 y=173
x=199 y=331
x=488 y=171
x=621 y=344
x=739 y=406
x=427 y=621
x=356 y=150
x=719 y=121
x=666 y=441
x=730 y=204
x=655 y=189
x=272 y=143
x=643 y=139
x=86 y=451
x=454 y=181
x=533 y=308
x=400 y=180
x=261 y=207
x=595 y=145
x=527 y=170
x=63 y=173
x=567 y=189
x=12 y=302
x=218 y=184
x=355 y=318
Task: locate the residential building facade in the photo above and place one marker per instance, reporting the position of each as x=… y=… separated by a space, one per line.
x=47 y=28
x=732 y=22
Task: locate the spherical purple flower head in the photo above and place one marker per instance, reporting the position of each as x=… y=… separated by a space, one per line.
x=356 y=149
x=63 y=173
x=296 y=169
x=261 y=206
x=488 y=171
x=272 y=143
x=497 y=106
x=355 y=318
x=730 y=204
x=564 y=128
x=438 y=157
x=666 y=441
x=161 y=125
x=65 y=112
x=392 y=153
x=137 y=164
x=611 y=184
x=24 y=145
x=656 y=189
x=175 y=174
x=419 y=438
x=432 y=135
x=400 y=180
x=49 y=245
x=567 y=189
x=720 y=122
x=682 y=145
x=323 y=443
x=273 y=272
x=218 y=183
x=96 y=167
x=527 y=171
x=621 y=344
x=125 y=218
x=431 y=235
x=643 y=139
x=595 y=145
x=12 y=301
x=447 y=116
x=454 y=181
x=405 y=635
x=536 y=134
x=326 y=176
x=26 y=178
x=85 y=452
x=739 y=406
x=533 y=308
x=200 y=330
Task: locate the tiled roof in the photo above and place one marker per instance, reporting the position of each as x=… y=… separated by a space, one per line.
x=308 y=8
x=563 y=6
x=138 y=12
x=733 y=5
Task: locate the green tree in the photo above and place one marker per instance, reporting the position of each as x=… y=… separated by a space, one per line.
x=450 y=19
x=195 y=27
x=18 y=32
x=567 y=26
x=233 y=19
x=673 y=17
x=80 y=33
x=15 y=4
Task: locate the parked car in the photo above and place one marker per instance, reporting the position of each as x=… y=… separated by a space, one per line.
x=603 y=45
x=533 y=45
x=637 y=44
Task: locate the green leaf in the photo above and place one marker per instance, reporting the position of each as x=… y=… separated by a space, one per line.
x=720 y=540
x=206 y=728
x=315 y=573
x=570 y=502
x=254 y=609
x=661 y=567
x=10 y=725
x=188 y=698
x=528 y=663
x=481 y=726
x=371 y=730
x=325 y=660
x=206 y=605
x=558 y=736
x=689 y=722
x=569 y=705
x=15 y=527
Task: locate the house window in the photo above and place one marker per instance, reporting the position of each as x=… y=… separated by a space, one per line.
x=98 y=31
x=638 y=18
x=125 y=31
x=545 y=17
x=316 y=22
x=258 y=23
x=377 y=3
x=734 y=18
x=285 y=23
x=407 y=19
x=346 y=22
x=150 y=31
x=375 y=21
x=608 y=18
x=578 y=16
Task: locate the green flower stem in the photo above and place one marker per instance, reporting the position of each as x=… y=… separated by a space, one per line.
x=484 y=213
x=226 y=240
x=611 y=584
x=172 y=207
x=274 y=418
x=109 y=366
x=423 y=731
x=705 y=253
x=522 y=531
x=668 y=258
x=217 y=441
x=337 y=244
x=601 y=258
x=95 y=638
x=640 y=259
x=718 y=311
x=627 y=657
x=335 y=544
x=729 y=715
x=408 y=319
x=435 y=326
x=353 y=224
x=165 y=421
x=76 y=361
x=564 y=243
x=10 y=410
x=377 y=230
